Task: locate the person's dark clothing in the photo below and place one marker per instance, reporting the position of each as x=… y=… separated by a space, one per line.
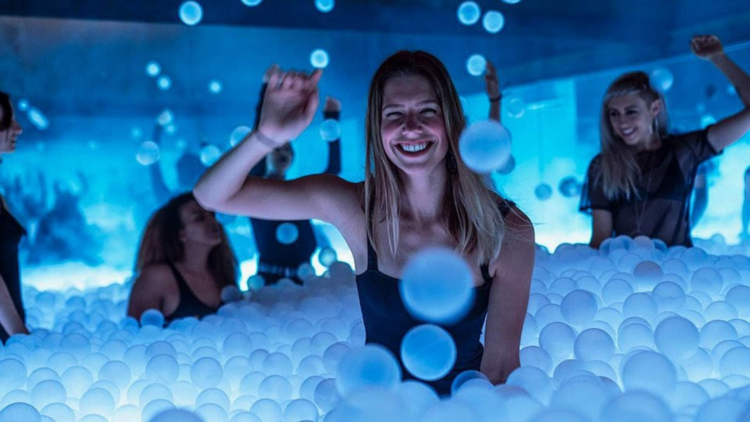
x=278 y=260
x=387 y=320
x=661 y=209
x=10 y=235
x=190 y=305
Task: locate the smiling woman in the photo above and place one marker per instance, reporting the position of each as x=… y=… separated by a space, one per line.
x=417 y=193
x=640 y=184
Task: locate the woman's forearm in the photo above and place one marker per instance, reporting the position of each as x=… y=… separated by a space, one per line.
x=10 y=319
x=227 y=176
x=736 y=75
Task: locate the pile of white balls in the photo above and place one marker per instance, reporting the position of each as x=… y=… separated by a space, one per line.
x=632 y=332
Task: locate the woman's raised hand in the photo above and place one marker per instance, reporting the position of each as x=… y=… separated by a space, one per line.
x=289 y=104
x=706 y=47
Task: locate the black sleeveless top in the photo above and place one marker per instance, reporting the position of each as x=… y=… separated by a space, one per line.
x=387 y=320
x=190 y=305
x=271 y=252
x=10 y=235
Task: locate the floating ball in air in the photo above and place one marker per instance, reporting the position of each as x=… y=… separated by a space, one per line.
x=508 y=167
x=661 y=79
x=511 y=1
x=325 y=6
x=428 y=352
x=148 y=153
x=164 y=82
x=319 y=58
x=543 y=192
x=330 y=130
x=493 y=21
x=485 y=146
x=251 y=3
x=287 y=233
x=209 y=154
x=327 y=257
x=191 y=13
x=437 y=285
x=215 y=87
x=238 y=134
x=37 y=118
x=476 y=64
x=469 y=13
x=569 y=187
x=165 y=117
x=515 y=107
x=23 y=105
x=153 y=69
x=369 y=366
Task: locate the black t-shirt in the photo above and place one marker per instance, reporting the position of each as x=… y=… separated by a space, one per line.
x=662 y=207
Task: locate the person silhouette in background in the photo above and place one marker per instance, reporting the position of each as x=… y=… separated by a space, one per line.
x=184 y=261
x=12 y=314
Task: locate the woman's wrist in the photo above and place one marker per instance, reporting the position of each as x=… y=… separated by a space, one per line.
x=496 y=99
x=266 y=140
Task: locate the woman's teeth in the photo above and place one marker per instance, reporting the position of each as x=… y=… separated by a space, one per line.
x=413 y=147
x=628 y=132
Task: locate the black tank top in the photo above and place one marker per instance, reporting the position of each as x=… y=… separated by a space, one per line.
x=387 y=320
x=273 y=252
x=190 y=305
x=10 y=235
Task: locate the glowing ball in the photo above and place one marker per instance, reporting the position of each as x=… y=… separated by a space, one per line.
x=515 y=107
x=579 y=307
x=37 y=118
x=508 y=167
x=661 y=79
x=148 y=153
x=437 y=285
x=707 y=280
x=469 y=13
x=676 y=337
x=330 y=130
x=558 y=340
x=327 y=257
x=476 y=65
x=206 y=372
x=707 y=120
x=191 y=13
x=153 y=69
x=165 y=117
x=669 y=296
x=164 y=82
x=215 y=87
x=238 y=134
x=594 y=344
x=152 y=317
x=162 y=368
x=637 y=406
x=493 y=21
x=485 y=146
x=325 y=6
x=97 y=401
x=256 y=282
x=569 y=187
x=649 y=371
x=735 y=362
x=511 y=1
x=371 y=365
x=176 y=415
x=319 y=59
x=534 y=381
x=47 y=392
x=276 y=388
x=300 y=410
x=287 y=233
x=209 y=154
x=428 y=352
x=23 y=105
x=17 y=412
x=543 y=192
x=251 y=3
x=739 y=297
x=465 y=378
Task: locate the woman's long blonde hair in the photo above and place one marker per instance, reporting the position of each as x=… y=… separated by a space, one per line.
x=619 y=168
x=470 y=206
x=161 y=243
